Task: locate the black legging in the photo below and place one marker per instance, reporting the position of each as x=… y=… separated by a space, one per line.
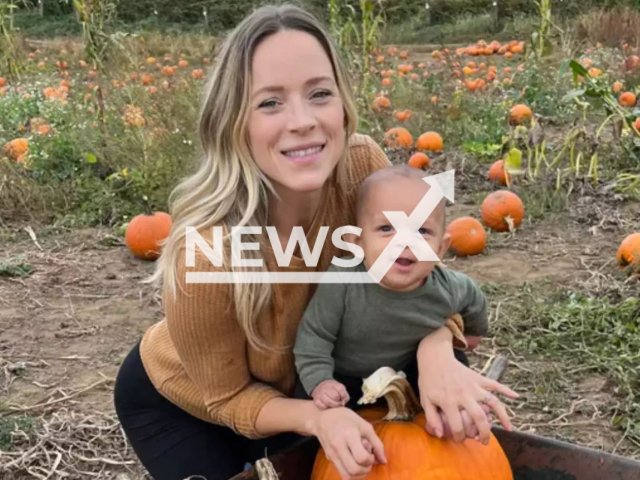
x=173 y=445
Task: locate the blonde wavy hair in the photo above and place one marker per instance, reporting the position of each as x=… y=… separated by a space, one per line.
x=229 y=189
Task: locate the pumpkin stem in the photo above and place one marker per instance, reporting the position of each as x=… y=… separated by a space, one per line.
x=145 y=204
x=265 y=469
x=396 y=390
x=510 y=223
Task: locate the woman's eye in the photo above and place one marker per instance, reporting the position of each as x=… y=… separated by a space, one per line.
x=385 y=228
x=423 y=231
x=322 y=94
x=268 y=104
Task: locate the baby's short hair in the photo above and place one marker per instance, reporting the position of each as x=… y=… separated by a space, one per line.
x=385 y=174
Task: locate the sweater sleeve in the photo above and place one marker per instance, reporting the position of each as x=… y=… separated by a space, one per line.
x=472 y=305
x=317 y=334
x=212 y=348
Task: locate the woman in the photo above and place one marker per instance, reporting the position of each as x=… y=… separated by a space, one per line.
x=209 y=386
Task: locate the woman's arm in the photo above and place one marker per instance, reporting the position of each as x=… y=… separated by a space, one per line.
x=212 y=349
x=448 y=384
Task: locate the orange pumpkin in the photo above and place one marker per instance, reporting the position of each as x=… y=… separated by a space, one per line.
x=398 y=137
x=502 y=210
x=629 y=251
x=145 y=232
x=381 y=102
x=410 y=451
x=16 y=147
x=637 y=124
x=519 y=113
x=497 y=173
x=467 y=236
x=418 y=160
x=403 y=115
x=628 y=99
x=429 y=141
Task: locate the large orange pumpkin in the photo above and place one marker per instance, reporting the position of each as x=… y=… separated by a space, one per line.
x=398 y=137
x=429 y=141
x=410 y=451
x=145 y=232
x=467 y=236
x=502 y=210
x=629 y=250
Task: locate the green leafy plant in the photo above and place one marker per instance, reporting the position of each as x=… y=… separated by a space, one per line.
x=9 y=55
x=15 y=267
x=540 y=38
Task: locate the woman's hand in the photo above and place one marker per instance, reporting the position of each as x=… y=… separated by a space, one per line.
x=446 y=383
x=349 y=442
x=469 y=427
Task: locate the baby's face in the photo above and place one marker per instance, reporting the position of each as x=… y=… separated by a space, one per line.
x=400 y=194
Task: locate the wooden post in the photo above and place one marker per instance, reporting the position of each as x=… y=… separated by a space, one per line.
x=497 y=14
x=427 y=8
x=41 y=7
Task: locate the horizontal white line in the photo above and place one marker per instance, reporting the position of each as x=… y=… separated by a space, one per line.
x=279 y=277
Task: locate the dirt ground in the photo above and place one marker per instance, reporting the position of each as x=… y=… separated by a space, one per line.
x=67 y=327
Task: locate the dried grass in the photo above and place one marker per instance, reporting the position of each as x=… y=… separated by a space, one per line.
x=610 y=27
x=68 y=444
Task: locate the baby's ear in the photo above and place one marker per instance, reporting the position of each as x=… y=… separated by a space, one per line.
x=445 y=243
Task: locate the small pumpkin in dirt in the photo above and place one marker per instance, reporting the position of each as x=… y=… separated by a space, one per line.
x=419 y=160
x=145 y=233
x=628 y=99
x=431 y=141
x=467 y=236
x=502 y=211
x=629 y=250
x=519 y=114
x=497 y=173
x=410 y=451
x=398 y=137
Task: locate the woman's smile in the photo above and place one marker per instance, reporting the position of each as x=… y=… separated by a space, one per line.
x=305 y=155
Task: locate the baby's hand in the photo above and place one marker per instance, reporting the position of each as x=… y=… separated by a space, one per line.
x=472 y=341
x=330 y=394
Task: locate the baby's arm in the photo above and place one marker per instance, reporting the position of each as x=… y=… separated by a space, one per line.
x=316 y=336
x=472 y=305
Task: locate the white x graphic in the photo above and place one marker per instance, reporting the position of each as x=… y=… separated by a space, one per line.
x=442 y=185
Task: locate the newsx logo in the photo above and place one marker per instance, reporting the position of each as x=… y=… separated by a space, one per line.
x=406 y=227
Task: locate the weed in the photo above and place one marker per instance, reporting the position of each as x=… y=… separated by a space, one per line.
x=15 y=267
x=9 y=425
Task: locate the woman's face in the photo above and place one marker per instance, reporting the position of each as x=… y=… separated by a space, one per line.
x=296 y=121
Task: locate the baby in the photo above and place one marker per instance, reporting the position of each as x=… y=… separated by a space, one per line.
x=349 y=330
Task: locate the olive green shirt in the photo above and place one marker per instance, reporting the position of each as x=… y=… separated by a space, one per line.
x=356 y=328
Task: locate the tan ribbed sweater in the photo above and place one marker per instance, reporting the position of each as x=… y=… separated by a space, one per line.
x=198 y=356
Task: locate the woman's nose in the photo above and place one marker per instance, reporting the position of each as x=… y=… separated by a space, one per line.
x=301 y=118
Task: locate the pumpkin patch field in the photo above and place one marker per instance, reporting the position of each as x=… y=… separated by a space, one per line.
x=545 y=144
